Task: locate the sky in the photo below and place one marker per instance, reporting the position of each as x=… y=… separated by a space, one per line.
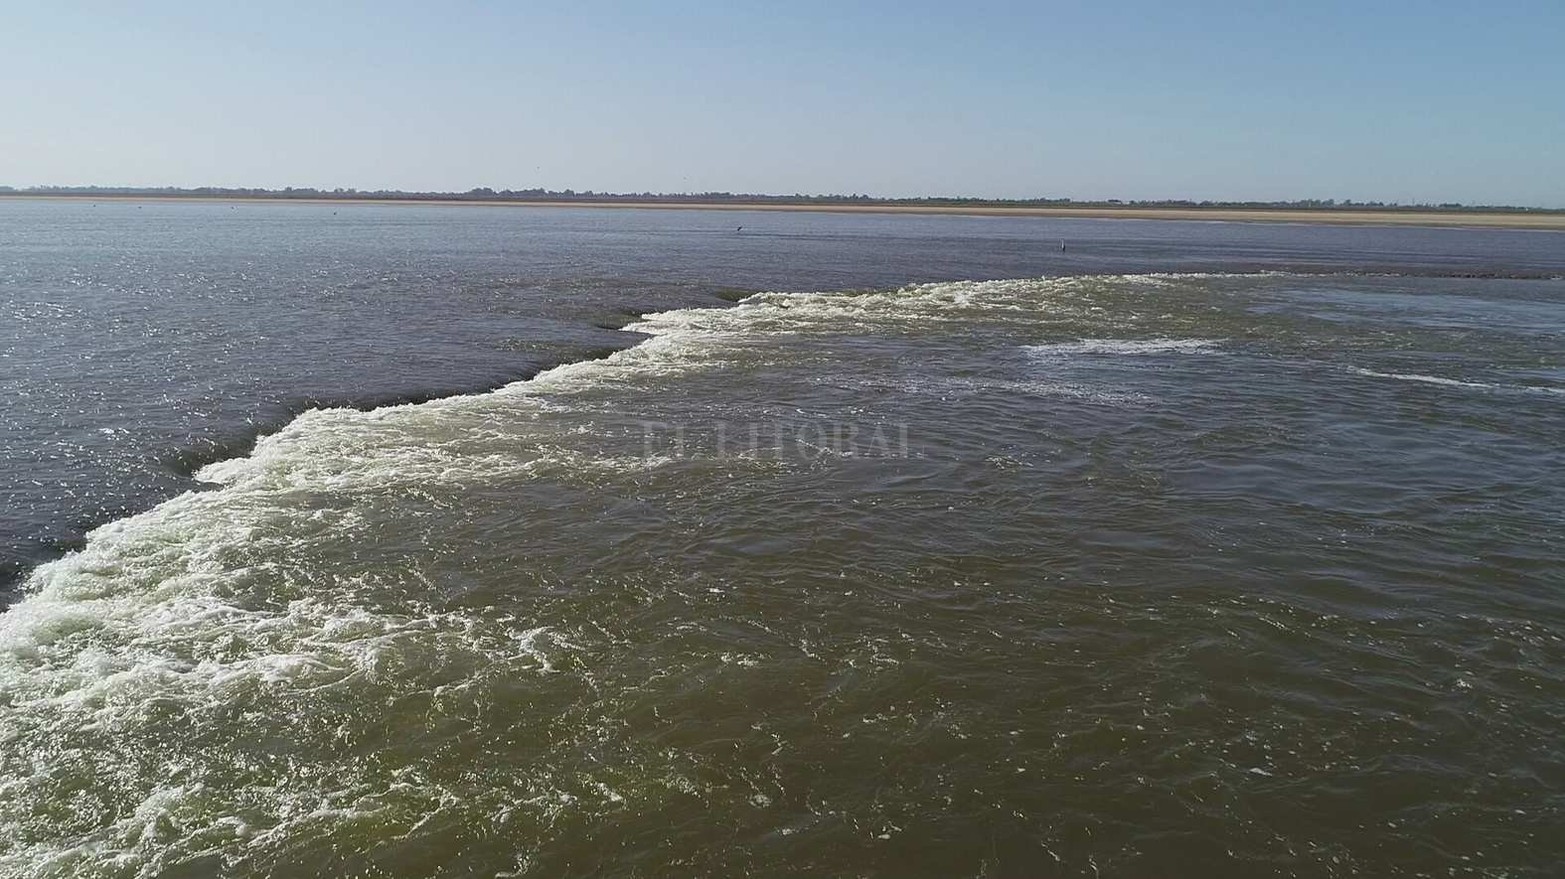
x=1385 y=100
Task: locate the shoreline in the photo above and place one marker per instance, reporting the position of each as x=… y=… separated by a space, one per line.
x=1546 y=222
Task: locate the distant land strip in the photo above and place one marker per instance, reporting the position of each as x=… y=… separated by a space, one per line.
x=1306 y=211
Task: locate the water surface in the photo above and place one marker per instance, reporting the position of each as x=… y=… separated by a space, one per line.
x=1107 y=567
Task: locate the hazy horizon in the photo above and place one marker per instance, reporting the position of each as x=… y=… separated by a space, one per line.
x=389 y=193
x=1409 y=103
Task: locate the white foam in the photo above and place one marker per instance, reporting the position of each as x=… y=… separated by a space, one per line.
x=211 y=600
x=1455 y=383
x=1126 y=347
x=506 y=433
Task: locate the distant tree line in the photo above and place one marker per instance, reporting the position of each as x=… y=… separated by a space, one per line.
x=484 y=193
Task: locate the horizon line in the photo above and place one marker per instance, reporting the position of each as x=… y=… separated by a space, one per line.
x=484 y=193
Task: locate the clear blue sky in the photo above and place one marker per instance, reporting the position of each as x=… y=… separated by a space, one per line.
x=1408 y=100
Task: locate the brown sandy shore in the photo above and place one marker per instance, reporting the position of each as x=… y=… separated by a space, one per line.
x=1453 y=218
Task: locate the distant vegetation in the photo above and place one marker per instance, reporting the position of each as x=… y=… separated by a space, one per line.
x=484 y=193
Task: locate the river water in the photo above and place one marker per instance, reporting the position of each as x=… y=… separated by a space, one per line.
x=958 y=546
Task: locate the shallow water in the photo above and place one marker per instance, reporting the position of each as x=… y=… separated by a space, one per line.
x=1101 y=573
